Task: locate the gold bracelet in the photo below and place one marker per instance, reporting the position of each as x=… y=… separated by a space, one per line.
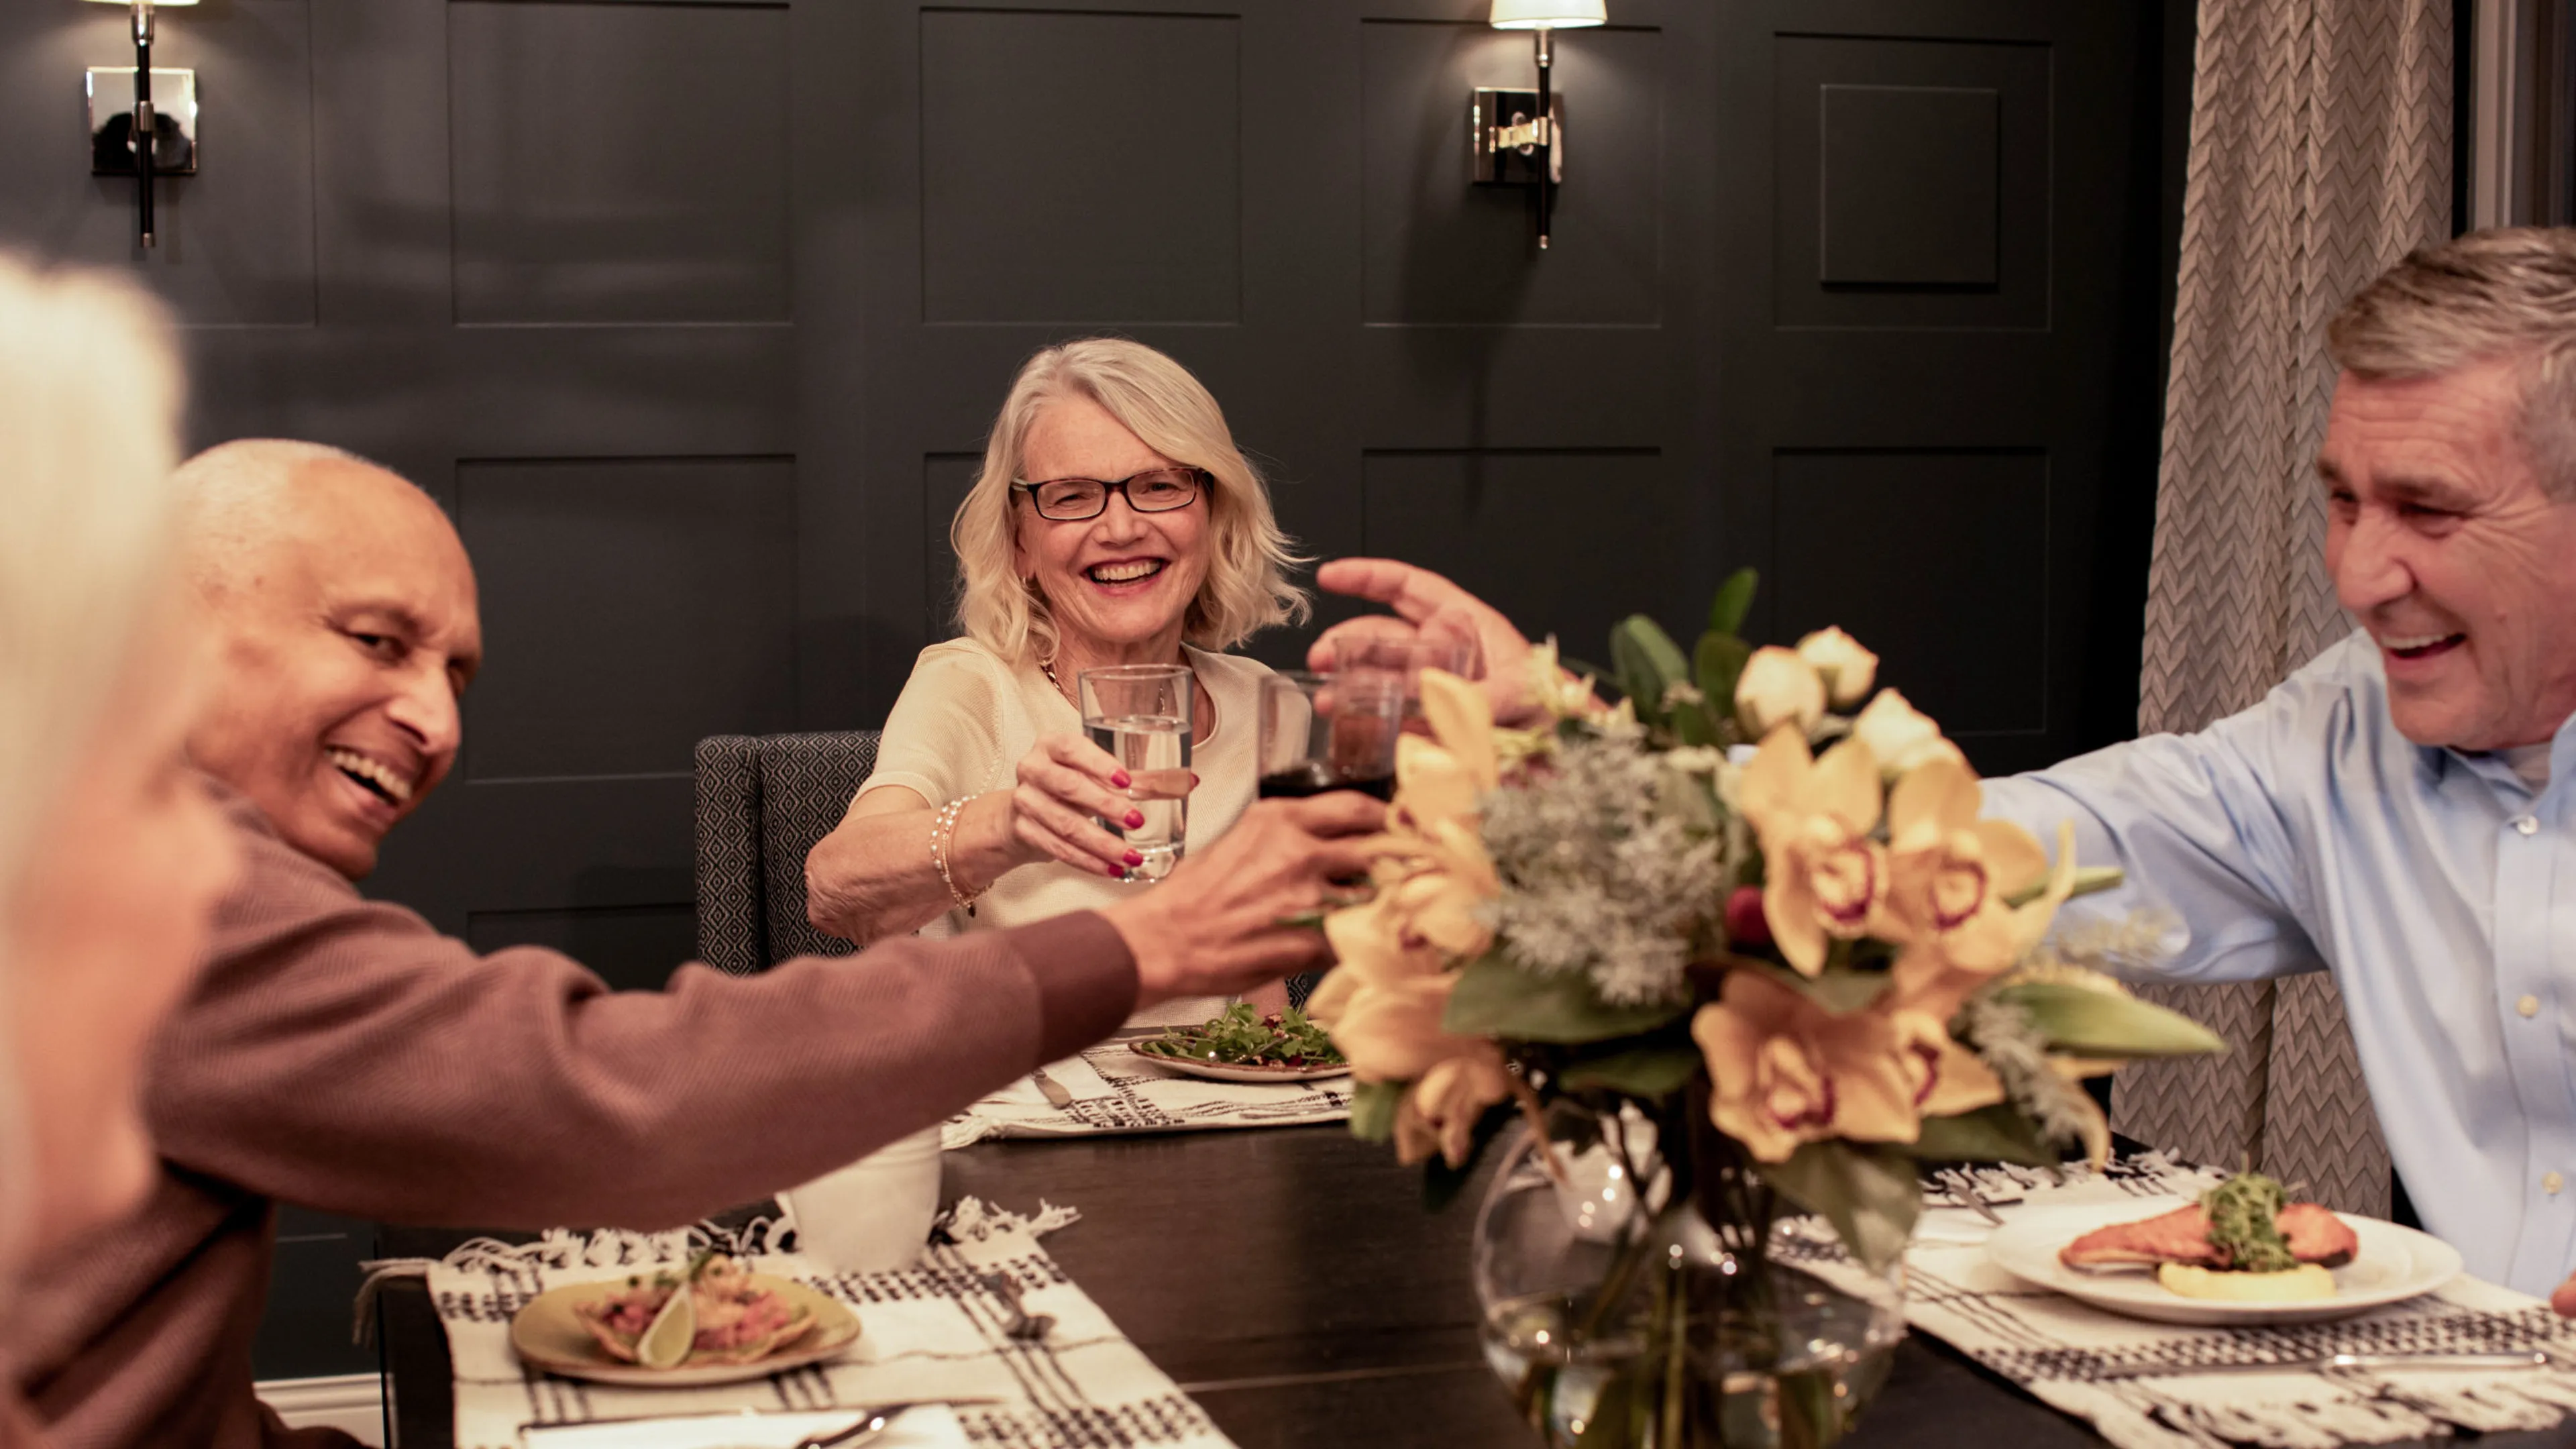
x=943 y=834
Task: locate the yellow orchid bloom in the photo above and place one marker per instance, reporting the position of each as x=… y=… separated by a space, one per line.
x=1441 y=1111
x=1948 y=1078
x=1438 y=901
x=1383 y=1003
x=1823 y=876
x=1948 y=870
x=1785 y=1071
x=1949 y=883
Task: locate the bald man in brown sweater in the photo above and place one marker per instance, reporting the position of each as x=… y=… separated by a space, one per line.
x=341 y=1054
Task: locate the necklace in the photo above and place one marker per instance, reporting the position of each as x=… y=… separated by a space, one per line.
x=1047 y=668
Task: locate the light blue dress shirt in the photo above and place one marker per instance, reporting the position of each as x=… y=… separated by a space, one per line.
x=2306 y=833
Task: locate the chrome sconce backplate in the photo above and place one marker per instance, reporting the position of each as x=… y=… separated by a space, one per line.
x=111 y=121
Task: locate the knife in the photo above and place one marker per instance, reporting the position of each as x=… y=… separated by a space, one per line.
x=1051 y=1089
x=2530 y=1360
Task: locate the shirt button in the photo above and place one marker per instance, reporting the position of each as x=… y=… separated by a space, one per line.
x=2550 y=1182
x=2528 y=1006
x=2526 y=826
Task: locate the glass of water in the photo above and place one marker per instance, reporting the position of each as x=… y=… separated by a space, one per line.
x=1140 y=714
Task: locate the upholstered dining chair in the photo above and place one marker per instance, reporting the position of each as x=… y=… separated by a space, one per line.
x=762 y=802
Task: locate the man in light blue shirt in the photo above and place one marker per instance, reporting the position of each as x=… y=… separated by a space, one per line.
x=2398 y=812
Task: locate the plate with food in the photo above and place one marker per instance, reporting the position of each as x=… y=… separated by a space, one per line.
x=2240 y=1253
x=711 y=1323
x=1242 y=1045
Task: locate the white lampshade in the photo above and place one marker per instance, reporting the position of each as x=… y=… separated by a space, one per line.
x=1549 y=14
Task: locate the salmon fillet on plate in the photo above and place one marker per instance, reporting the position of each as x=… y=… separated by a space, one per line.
x=2182 y=1236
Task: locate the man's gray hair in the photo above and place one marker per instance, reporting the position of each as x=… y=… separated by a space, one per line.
x=2509 y=292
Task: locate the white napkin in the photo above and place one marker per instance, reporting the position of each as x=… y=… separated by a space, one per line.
x=1073 y=1074
x=932 y=1426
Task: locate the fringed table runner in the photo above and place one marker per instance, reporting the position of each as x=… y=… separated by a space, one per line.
x=1115 y=1090
x=2076 y=1357
x=932 y=1333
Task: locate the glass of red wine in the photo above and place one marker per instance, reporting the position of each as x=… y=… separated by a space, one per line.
x=1329 y=732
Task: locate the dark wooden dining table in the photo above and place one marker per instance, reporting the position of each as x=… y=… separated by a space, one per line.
x=1290 y=1280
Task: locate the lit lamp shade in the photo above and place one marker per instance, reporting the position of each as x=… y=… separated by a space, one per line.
x=1549 y=14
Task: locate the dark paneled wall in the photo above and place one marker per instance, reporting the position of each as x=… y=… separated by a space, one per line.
x=694 y=315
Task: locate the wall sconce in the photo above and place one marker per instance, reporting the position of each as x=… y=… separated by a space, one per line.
x=1517 y=138
x=128 y=134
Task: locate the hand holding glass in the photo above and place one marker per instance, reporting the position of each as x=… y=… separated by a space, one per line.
x=1141 y=714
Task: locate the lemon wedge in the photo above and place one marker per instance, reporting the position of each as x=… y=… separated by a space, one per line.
x=674 y=1332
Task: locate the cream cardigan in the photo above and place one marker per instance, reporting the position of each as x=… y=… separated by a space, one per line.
x=965 y=719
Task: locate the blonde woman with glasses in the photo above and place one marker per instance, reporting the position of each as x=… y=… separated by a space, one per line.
x=1115 y=523
x=112 y=855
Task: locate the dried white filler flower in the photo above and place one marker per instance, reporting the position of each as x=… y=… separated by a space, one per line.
x=1602 y=873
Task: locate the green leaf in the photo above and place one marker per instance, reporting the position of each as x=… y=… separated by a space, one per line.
x=1999 y=1133
x=1495 y=997
x=1649 y=662
x=1869 y=1193
x=1840 y=992
x=1734 y=600
x=1646 y=1071
x=1719 y=665
x=1373 y=1109
x=2089 y=879
x=1442 y=1183
x=2090 y=1023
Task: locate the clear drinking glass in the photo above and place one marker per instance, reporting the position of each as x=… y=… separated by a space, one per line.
x=1329 y=732
x=1140 y=714
x=1403 y=660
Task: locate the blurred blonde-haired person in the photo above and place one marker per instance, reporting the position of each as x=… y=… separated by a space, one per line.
x=1114 y=522
x=112 y=855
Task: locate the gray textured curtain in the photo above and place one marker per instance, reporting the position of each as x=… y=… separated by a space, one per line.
x=2320 y=153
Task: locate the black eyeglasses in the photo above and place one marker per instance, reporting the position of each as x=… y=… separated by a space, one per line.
x=1156 y=490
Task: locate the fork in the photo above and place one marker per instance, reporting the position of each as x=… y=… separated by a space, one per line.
x=1964 y=1192
x=870 y=1424
x=1023 y=1324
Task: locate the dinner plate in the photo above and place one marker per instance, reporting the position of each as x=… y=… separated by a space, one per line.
x=2393 y=1263
x=548 y=1336
x=1239 y=1071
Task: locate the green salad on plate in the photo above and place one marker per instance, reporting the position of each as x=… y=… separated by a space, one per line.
x=1244 y=1037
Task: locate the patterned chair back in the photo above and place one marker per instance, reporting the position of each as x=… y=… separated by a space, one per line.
x=762 y=803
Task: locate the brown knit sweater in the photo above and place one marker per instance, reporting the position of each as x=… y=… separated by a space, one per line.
x=343 y=1055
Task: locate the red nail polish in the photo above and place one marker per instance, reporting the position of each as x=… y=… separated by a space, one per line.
x=1194 y=781
x=1115 y=873
x=1122 y=780
x=1135 y=821
x=1135 y=857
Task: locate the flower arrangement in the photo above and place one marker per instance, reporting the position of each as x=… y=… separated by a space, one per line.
x=1753 y=905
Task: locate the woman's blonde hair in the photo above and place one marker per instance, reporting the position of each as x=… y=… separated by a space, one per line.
x=1246 y=589
x=90 y=399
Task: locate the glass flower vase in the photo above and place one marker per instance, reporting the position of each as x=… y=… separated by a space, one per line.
x=1635 y=1300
